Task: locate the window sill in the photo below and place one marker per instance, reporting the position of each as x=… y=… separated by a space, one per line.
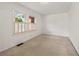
x=25 y=31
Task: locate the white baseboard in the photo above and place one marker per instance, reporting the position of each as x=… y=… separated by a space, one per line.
x=4 y=49
x=75 y=46
x=57 y=35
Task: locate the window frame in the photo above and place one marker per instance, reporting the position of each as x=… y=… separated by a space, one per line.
x=28 y=23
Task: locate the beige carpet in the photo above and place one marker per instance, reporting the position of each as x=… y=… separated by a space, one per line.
x=43 y=45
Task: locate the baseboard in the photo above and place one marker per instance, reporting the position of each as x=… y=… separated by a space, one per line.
x=57 y=35
x=76 y=48
x=11 y=46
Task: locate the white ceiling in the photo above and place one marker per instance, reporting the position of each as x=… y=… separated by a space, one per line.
x=48 y=8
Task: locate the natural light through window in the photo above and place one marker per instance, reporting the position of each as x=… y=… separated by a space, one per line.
x=22 y=24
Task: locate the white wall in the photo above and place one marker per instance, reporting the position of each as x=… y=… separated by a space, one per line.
x=56 y=24
x=74 y=25
x=7 y=38
x=62 y=24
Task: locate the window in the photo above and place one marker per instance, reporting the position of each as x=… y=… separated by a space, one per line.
x=32 y=23
x=22 y=24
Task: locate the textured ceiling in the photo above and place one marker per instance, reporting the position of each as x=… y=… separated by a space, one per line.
x=48 y=8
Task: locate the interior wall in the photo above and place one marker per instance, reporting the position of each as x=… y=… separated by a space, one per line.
x=56 y=24
x=62 y=24
x=7 y=38
x=74 y=25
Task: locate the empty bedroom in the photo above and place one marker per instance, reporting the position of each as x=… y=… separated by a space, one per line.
x=39 y=28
